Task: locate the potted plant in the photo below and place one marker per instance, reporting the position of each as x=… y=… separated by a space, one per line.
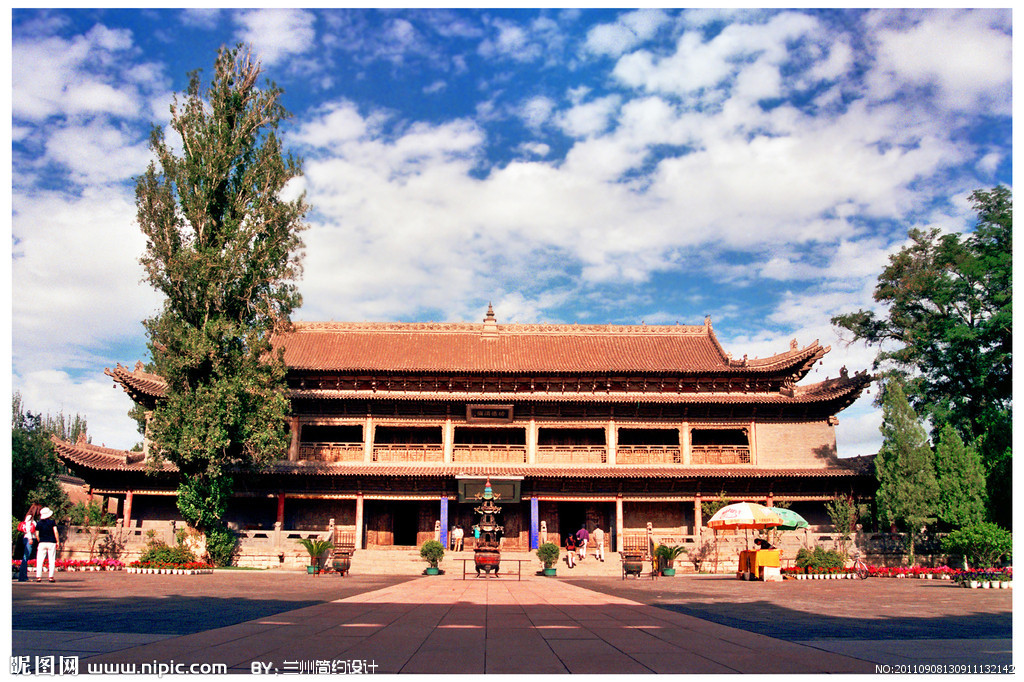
x=667 y=554
x=316 y=548
x=432 y=552
x=548 y=554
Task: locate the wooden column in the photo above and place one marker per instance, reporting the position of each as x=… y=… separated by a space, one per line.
x=698 y=519
x=359 y=520
x=611 y=440
x=280 y=509
x=368 y=440
x=448 y=440
x=770 y=502
x=684 y=442
x=128 y=509
x=531 y=442
x=293 y=447
x=618 y=523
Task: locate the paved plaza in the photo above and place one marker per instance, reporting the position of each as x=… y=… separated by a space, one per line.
x=288 y=621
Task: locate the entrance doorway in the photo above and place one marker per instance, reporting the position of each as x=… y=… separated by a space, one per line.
x=405 y=522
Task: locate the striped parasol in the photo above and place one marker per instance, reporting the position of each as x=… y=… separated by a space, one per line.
x=745 y=515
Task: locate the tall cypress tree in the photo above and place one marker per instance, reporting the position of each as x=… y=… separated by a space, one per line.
x=905 y=467
x=223 y=247
x=961 y=480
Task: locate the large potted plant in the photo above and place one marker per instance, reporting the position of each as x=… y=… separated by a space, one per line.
x=667 y=554
x=432 y=552
x=548 y=554
x=316 y=549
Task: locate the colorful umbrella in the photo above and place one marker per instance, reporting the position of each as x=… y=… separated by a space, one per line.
x=790 y=519
x=745 y=515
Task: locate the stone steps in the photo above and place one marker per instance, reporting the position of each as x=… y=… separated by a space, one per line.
x=407 y=561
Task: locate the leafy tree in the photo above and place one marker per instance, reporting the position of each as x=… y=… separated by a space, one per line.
x=34 y=465
x=948 y=332
x=223 y=248
x=844 y=513
x=904 y=467
x=94 y=518
x=981 y=545
x=961 y=480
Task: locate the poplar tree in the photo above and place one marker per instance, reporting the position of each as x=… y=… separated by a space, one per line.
x=961 y=480
x=904 y=467
x=223 y=247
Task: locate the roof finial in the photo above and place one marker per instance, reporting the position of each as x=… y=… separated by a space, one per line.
x=490 y=313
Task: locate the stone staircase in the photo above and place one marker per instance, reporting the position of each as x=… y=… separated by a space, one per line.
x=407 y=561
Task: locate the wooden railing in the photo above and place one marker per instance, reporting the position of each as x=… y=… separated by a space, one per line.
x=720 y=454
x=648 y=454
x=501 y=454
x=406 y=452
x=572 y=454
x=331 y=452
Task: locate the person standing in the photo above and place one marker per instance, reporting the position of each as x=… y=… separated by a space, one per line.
x=46 y=536
x=598 y=536
x=570 y=550
x=581 y=541
x=458 y=538
x=28 y=529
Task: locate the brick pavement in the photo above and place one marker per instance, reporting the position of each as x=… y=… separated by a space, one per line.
x=443 y=624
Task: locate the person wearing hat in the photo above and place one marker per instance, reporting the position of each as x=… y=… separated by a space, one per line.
x=47 y=542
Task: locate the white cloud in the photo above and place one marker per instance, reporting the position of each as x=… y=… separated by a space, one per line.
x=965 y=54
x=626 y=32
x=536 y=111
x=276 y=33
x=592 y=118
x=52 y=76
x=75 y=269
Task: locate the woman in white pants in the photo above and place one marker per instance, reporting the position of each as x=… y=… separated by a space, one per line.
x=47 y=543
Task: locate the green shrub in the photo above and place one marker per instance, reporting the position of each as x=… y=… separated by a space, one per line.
x=161 y=552
x=432 y=552
x=668 y=553
x=981 y=544
x=548 y=554
x=819 y=557
x=221 y=546
x=316 y=548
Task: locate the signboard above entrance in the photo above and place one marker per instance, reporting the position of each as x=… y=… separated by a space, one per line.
x=509 y=488
x=494 y=414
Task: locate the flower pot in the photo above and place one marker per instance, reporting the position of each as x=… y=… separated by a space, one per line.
x=433 y=570
x=310 y=570
x=973 y=583
x=668 y=572
x=550 y=571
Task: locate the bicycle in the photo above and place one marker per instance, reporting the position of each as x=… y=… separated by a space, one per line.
x=860 y=568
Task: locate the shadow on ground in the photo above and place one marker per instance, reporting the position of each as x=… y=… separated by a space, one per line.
x=173 y=605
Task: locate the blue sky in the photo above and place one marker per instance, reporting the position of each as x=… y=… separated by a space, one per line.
x=654 y=166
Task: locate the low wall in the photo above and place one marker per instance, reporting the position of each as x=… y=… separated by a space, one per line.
x=280 y=548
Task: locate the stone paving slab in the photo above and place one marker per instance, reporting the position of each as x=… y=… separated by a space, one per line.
x=571 y=629
x=539 y=625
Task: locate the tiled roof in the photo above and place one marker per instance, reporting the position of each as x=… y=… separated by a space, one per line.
x=137 y=382
x=829 y=389
x=516 y=348
x=97 y=458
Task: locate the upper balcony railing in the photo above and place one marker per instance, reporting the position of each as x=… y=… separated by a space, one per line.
x=517 y=454
x=720 y=454
x=648 y=454
x=408 y=452
x=572 y=454
x=489 y=453
x=331 y=452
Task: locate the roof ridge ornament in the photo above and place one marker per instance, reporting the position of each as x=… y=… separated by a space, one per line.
x=490 y=323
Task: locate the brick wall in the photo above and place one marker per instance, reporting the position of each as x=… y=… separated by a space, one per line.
x=803 y=445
